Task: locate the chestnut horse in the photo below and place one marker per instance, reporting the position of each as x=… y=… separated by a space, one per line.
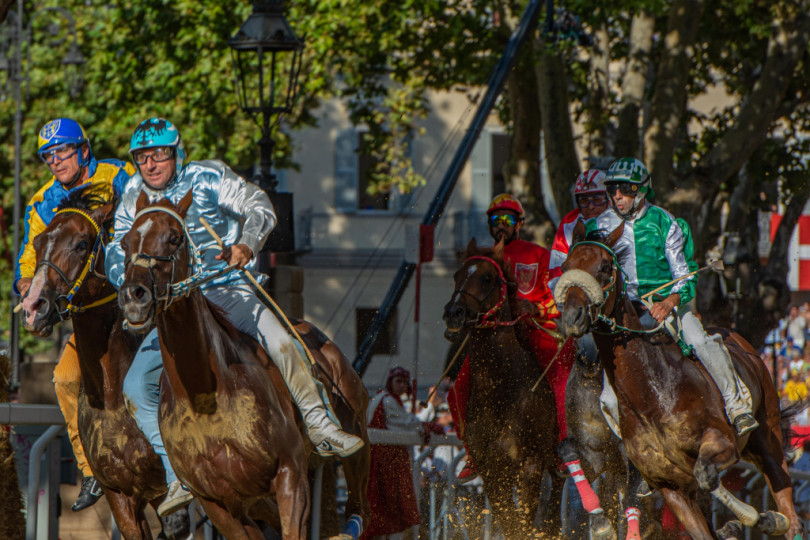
x=228 y=422
x=511 y=431
x=672 y=415
x=70 y=251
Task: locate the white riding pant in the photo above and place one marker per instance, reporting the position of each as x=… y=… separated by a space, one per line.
x=250 y=315
x=713 y=354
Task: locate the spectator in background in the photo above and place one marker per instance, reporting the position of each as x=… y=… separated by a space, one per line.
x=787 y=348
x=801 y=493
x=795 y=327
x=391 y=493
x=796 y=388
x=796 y=361
x=769 y=360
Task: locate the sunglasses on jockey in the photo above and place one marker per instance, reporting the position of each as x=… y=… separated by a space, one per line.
x=508 y=220
x=597 y=199
x=158 y=155
x=625 y=188
x=60 y=152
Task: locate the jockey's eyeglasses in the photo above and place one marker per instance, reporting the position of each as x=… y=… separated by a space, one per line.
x=60 y=152
x=625 y=188
x=508 y=220
x=158 y=155
x=597 y=199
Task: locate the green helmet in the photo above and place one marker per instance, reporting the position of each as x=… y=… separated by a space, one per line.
x=628 y=170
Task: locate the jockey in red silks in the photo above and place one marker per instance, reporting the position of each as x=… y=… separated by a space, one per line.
x=529 y=265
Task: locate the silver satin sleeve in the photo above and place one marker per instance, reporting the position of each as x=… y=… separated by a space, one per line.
x=247 y=201
x=677 y=260
x=114 y=254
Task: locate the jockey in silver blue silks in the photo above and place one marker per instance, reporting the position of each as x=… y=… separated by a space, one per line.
x=243 y=216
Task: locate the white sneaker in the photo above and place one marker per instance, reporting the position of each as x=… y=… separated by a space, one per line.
x=334 y=442
x=177 y=497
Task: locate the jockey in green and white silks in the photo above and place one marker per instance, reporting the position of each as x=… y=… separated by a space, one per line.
x=656 y=248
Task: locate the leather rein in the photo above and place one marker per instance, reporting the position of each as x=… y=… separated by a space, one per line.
x=489 y=318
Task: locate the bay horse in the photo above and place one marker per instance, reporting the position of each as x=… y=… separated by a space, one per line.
x=511 y=431
x=671 y=413
x=67 y=285
x=229 y=425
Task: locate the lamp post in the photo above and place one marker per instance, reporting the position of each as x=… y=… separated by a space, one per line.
x=16 y=66
x=267 y=60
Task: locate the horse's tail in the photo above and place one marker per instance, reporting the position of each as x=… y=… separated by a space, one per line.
x=786 y=421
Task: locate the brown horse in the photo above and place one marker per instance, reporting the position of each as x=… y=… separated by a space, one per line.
x=229 y=424
x=511 y=430
x=67 y=285
x=671 y=413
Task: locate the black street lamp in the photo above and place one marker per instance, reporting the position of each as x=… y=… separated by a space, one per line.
x=14 y=38
x=267 y=60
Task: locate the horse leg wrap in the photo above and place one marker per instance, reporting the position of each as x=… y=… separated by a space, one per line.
x=747 y=515
x=353 y=527
x=590 y=501
x=633 y=516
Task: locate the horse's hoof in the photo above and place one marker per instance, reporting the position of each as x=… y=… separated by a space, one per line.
x=601 y=528
x=732 y=530
x=773 y=523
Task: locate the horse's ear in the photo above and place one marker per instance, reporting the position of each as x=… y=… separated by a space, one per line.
x=142 y=202
x=615 y=235
x=185 y=203
x=578 y=234
x=497 y=251
x=105 y=212
x=472 y=247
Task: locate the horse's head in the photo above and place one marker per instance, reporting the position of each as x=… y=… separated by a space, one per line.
x=591 y=280
x=481 y=290
x=68 y=252
x=157 y=255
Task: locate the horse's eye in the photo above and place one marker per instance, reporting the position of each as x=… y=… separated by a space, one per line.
x=82 y=245
x=487 y=279
x=174 y=240
x=606 y=268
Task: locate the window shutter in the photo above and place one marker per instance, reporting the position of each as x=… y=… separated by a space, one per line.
x=346 y=171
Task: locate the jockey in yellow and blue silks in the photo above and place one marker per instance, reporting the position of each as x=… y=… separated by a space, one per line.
x=65 y=148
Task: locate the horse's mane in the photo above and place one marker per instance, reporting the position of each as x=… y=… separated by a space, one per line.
x=597 y=235
x=89 y=199
x=489 y=252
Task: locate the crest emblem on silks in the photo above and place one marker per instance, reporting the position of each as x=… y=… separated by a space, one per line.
x=50 y=129
x=526 y=277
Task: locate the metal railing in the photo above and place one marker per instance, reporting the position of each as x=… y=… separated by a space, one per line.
x=445 y=516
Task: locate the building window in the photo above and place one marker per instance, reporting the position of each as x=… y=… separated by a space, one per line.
x=353 y=167
x=387 y=340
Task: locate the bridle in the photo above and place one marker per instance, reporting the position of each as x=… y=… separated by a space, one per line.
x=489 y=318
x=173 y=289
x=594 y=309
x=89 y=266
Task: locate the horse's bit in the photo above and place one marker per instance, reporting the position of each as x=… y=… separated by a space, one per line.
x=89 y=266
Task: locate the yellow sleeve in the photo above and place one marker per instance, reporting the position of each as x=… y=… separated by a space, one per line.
x=28 y=257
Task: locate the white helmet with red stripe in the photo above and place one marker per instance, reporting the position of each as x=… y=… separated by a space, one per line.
x=590 y=181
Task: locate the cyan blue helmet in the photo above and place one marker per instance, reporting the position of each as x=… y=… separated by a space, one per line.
x=64 y=131
x=156 y=132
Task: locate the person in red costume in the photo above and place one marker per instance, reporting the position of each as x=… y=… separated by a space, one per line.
x=529 y=264
x=391 y=493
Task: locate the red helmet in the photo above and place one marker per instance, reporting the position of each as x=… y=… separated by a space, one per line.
x=505 y=201
x=590 y=181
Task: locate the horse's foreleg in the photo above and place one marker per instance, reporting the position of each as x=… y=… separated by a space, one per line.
x=292 y=494
x=552 y=522
x=499 y=493
x=688 y=513
x=129 y=516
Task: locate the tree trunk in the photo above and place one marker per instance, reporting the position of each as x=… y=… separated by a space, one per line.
x=558 y=134
x=669 y=99
x=598 y=92
x=634 y=83
x=12 y=522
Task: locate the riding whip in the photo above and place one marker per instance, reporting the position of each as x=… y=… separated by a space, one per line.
x=446 y=371
x=559 y=350
x=278 y=311
x=714 y=265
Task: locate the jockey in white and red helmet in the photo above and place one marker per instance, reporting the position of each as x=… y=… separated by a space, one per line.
x=591 y=200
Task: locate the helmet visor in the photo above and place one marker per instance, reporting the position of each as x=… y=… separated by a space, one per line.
x=158 y=155
x=625 y=188
x=509 y=220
